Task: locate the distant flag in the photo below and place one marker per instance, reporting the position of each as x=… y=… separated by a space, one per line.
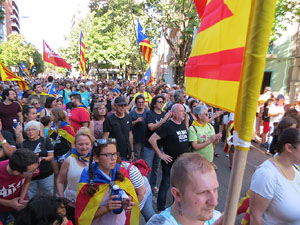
x=148 y=77
x=25 y=70
x=144 y=43
x=82 y=54
x=31 y=65
x=8 y=75
x=52 y=90
x=51 y=57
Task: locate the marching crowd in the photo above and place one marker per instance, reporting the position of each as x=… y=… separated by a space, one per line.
x=91 y=154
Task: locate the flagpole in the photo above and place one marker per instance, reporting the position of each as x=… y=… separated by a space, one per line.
x=262 y=14
x=134 y=28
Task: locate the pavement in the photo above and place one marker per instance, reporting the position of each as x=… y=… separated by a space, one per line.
x=256 y=156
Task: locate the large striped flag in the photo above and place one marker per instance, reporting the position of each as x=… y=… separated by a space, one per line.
x=82 y=54
x=144 y=43
x=8 y=75
x=66 y=131
x=86 y=206
x=148 y=77
x=25 y=71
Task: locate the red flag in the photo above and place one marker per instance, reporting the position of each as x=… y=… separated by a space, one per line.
x=51 y=57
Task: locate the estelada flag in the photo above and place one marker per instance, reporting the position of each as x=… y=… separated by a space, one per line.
x=51 y=57
x=144 y=43
x=66 y=131
x=8 y=75
x=86 y=206
x=214 y=68
x=82 y=54
x=148 y=77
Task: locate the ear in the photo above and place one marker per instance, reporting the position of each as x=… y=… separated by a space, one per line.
x=288 y=147
x=96 y=158
x=176 y=194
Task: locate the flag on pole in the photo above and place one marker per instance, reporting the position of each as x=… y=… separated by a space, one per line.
x=82 y=54
x=51 y=57
x=8 y=75
x=52 y=90
x=148 y=77
x=144 y=43
x=25 y=70
x=214 y=68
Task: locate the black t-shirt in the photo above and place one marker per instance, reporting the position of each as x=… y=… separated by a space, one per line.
x=119 y=128
x=175 y=138
x=152 y=117
x=9 y=137
x=265 y=116
x=139 y=129
x=41 y=147
x=108 y=106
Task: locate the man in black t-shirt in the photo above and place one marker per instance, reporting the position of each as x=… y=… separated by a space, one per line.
x=119 y=126
x=175 y=143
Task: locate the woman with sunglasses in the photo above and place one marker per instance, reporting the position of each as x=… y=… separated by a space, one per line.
x=72 y=168
x=34 y=101
x=94 y=202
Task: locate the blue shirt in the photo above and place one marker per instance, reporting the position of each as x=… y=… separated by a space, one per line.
x=85 y=97
x=66 y=96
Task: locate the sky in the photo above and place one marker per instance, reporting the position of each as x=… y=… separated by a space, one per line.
x=48 y=20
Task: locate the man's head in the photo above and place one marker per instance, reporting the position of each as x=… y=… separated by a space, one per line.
x=50 y=79
x=9 y=94
x=141 y=87
x=23 y=162
x=178 y=112
x=82 y=87
x=140 y=102
x=120 y=104
x=38 y=88
x=75 y=99
x=194 y=186
x=180 y=96
x=280 y=100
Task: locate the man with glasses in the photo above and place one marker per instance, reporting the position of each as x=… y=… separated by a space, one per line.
x=15 y=176
x=138 y=116
x=118 y=125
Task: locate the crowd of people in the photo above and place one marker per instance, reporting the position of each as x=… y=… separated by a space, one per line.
x=72 y=151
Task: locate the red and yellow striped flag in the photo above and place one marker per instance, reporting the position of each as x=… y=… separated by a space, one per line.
x=217 y=56
x=8 y=75
x=82 y=54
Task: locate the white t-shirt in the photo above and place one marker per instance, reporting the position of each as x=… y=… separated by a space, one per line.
x=274 y=108
x=284 y=208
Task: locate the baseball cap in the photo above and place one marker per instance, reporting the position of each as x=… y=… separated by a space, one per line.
x=280 y=97
x=120 y=100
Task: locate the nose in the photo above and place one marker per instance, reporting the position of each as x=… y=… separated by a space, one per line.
x=213 y=199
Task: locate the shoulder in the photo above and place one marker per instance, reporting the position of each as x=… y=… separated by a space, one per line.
x=164 y=218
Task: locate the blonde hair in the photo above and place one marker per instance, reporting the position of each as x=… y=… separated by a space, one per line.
x=84 y=131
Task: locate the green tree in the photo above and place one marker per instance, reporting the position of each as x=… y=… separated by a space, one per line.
x=17 y=49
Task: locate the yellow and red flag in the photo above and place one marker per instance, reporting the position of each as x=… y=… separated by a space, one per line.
x=82 y=54
x=218 y=52
x=86 y=206
x=8 y=75
x=144 y=43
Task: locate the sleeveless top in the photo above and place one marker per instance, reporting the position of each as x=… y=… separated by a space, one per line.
x=73 y=178
x=98 y=129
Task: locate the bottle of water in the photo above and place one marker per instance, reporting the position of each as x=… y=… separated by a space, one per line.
x=15 y=123
x=116 y=191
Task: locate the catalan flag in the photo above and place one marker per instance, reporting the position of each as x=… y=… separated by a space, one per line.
x=144 y=43
x=25 y=71
x=52 y=90
x=82 y=54
x=148 y=77
x=8 y=75
x=86 y=206
x=66 y=131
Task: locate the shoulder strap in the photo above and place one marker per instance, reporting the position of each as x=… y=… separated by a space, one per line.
x=194 y=129
x=64 y=93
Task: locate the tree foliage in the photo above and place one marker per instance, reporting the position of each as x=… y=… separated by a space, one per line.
x=17 y=49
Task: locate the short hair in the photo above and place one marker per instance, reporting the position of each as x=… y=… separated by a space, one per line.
x=288 y=136
x=139 y=97
x=50 y=79
x=21 y=159
x=45 y=120
x=178 y=95
x=199 y=110
x=34 y=124
x=34 y=86
x=5 y=93
x=76 y=96
x=175 y=106
x=184 y=164
x=84 y=131
x=49 y=101
x=154 y=100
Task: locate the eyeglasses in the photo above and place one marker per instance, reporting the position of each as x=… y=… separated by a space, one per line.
x=110 y=155
x=36 y=103
x=140 y=102
x=122 y=105
x=160 y=102
x=32 y=129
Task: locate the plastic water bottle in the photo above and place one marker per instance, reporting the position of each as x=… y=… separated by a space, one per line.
x=116 y=191
x=15 y=123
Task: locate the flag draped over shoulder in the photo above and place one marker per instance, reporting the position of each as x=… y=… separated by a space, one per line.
x=51 y=57
x=82 y=54
x=148 y=77
x=66 y=131
x=25 y=71
x=213 y=71
x=52 y=90
x=87 y=206
x=8 y=75
x=144 y=43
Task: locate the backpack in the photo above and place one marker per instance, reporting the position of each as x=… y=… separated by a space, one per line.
x=141 y=165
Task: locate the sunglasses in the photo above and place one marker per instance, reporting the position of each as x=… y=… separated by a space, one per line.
x=105 y=141
x=160 y=102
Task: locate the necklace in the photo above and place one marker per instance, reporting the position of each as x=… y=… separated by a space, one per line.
x=284 y=173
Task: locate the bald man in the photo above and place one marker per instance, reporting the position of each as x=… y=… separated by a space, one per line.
x=175 y=142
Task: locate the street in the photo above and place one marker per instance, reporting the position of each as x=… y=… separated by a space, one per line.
x=255 y=158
